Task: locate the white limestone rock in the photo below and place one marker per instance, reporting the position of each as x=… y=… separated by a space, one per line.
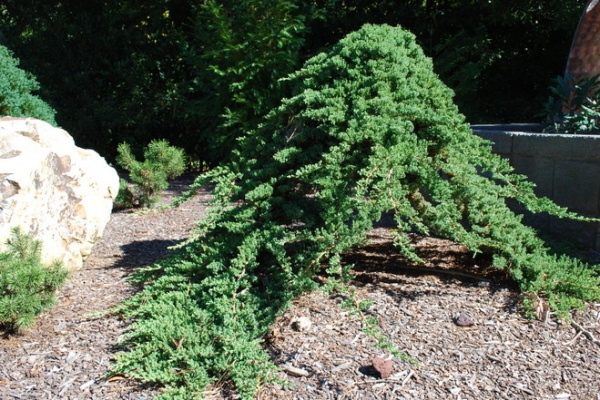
x=60 y=194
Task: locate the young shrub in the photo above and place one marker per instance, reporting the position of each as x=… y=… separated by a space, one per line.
x=149 y=177
x=16 y=87
x=27 y=287
x=370 y=130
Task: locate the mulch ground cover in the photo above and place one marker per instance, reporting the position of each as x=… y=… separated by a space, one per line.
x=456 y=318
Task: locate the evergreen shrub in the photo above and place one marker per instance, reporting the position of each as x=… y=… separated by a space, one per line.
x=26 y=286
x=370 y=130
x=240 y=50
x=150 y=176
x=16 y=91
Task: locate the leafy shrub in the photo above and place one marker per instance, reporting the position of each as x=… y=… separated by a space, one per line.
x=247 y=47
x=574 y=106
x=16 y=87
x=161 y=162
x=26 y=286
x=371 y=129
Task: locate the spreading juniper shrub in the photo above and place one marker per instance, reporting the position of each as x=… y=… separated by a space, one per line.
x=370 y=129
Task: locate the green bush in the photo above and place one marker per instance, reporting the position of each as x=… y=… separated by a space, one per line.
x=370 y=130
x=149 y=177
x=499 y=73
x=26 y=286
x=16 y=87
x=573 y=106
x=246 y=47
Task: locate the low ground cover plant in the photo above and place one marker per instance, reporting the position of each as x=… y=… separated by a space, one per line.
x=369 y=130
x=27 y=287
x=150 y=176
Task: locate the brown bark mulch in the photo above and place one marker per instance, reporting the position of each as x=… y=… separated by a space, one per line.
x=458 y=319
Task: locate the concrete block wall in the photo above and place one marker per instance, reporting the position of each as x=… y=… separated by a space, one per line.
x=565 y=168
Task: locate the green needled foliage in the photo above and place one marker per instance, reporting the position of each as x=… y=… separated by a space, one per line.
x=241 y=50
x=150 y=176
x=16 y=87
x=27 y=287
x=370 y=129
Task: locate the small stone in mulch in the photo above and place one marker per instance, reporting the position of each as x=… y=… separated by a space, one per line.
x=60 y=327
x=295 y=371
x=384 y=366
x=465 y=320
x=301 y=324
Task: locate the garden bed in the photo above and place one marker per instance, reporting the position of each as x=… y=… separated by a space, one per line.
x=69 y=350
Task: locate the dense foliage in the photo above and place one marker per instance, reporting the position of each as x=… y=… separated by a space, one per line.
x=199 y=73
x=190 y=72
x=111 y=69
x=497 y=55
x=238 y=52
x=573 y=106
x=370 y=129
x=27 y=287
x=151 y=175
x=16 y=91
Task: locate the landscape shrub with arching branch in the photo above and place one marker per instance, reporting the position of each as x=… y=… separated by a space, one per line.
x=370 y=130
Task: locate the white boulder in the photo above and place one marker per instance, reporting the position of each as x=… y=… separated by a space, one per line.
x=58 y=193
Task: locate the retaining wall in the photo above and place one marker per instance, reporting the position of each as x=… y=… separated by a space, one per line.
x=565 y=168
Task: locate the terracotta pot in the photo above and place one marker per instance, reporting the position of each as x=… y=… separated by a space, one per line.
x=584 y=57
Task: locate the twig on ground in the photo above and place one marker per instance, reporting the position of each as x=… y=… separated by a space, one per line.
x=585 y=332
x=410 y=375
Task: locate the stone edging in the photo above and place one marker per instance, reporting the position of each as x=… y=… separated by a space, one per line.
x=565 y=168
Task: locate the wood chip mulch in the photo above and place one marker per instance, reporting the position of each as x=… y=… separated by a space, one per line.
x=459 y=320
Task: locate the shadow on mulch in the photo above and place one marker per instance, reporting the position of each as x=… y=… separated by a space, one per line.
x=141 y=253
x=380 y=262
x=451 y=263
x=177 y=188
x=369 y=370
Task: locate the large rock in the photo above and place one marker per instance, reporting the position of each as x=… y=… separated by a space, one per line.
x=60 y=194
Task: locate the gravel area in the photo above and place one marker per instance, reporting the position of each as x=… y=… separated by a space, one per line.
x=456 y=318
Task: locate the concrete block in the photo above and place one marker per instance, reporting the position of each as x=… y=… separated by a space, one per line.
x=566 y=147
x=576 y=185
x=539 y=171
x=565 y=168
x=502 y=142
x=581 y=234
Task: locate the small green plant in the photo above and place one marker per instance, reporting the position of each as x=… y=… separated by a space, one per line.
x=149 y=177
x=16 y=87
x=26 y=286
x=574 y=106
